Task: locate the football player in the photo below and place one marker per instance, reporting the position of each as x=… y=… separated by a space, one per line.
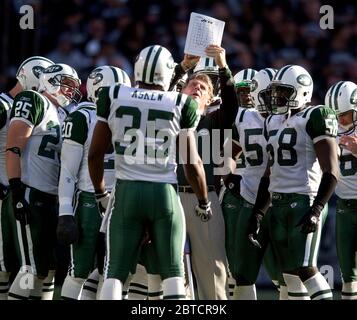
x=143 y=124
x=32 y=163
x=342 y=97
x=79 y=216
x=27 y=77
x=301 y=177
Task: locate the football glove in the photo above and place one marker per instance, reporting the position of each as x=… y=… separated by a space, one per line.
x=203 y=210
x=310 y=221
x=102 y=201
x=67 y=231
x=254 y=223
x=20 y=206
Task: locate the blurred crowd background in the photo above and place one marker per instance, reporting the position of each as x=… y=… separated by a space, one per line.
x=258 y=34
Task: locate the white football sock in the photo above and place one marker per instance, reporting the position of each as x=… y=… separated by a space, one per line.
x=296 y=289
x=154 y=291
x=245 y=293
x=90 y=287
x=111 y=290
x=48 y=286
x=349 y=291
x=174 y=288
x=318 y=287
x=4 y=284
x=71 y=288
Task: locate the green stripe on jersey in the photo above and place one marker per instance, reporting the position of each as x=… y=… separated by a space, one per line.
x=29 y=105
x=322 y=122
x=242 y=115
x=116 y=91
x=189 y=114
x=103 y=103
x=76 y=127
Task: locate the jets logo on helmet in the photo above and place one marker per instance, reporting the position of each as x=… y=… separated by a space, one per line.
x=154 y=65
x=96 y=76
x=342 y=97
x=62 y=83
x=29 y=72
x=105 y=76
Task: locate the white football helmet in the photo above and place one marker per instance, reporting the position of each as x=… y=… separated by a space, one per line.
x=245 y=75
x=243 y=80
x=28 y=73
x=342 y=97
x=291 y=88
x=154 y=65
x=105 y=76
x=260 y=82
x=61 y=82
x=208 y=66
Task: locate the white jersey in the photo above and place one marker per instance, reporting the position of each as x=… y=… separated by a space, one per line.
x=78 y=128
x=249 y=125
x=295 y=168
x=5 y=108
x=40 y=159
x=144 y=126
x=347 y=184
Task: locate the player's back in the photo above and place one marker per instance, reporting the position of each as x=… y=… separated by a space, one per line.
x=144 y=126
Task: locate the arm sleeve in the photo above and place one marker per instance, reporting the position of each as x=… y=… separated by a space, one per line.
x=71 y=157
x=29 y=107
x=189 y=114
x=103 y=104
x=229 y=107
x=321 y=124
x=178 y=74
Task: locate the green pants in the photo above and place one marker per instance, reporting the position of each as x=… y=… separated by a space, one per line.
x=140 y=206
x=243 y=257
x=293 y=248
x=231 y=205
x=88 y=220
x=346 y=238
x=37 y=239
x=9 y=250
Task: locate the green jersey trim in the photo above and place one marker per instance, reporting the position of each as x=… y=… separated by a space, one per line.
x=322 y=122
x=29 y=106
x=189 y=114
x=76 y=127
x=103 y=104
